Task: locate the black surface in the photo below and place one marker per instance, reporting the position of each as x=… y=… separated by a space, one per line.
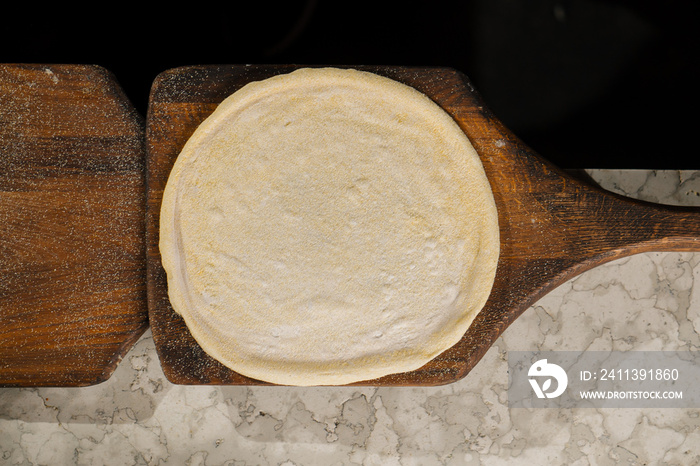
x=587 y=84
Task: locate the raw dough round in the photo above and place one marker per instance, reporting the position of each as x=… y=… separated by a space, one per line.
x=328 y=226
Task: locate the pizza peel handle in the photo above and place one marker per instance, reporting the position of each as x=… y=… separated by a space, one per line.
x=552 y=226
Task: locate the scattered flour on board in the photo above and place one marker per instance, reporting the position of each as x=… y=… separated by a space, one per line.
x=51 y=75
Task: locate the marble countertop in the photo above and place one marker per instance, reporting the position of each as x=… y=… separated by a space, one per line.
x=138 y=417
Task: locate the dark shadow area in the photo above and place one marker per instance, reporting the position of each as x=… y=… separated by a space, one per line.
x=587 y=84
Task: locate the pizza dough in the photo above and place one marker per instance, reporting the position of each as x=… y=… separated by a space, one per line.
x=328 y=226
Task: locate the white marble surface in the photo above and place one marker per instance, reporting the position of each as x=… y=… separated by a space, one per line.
x=138 y=417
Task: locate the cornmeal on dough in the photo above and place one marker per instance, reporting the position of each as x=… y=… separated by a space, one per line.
x=328 y=226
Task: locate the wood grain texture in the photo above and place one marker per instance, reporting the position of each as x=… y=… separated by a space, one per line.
x=72 y=225
x=553 y=226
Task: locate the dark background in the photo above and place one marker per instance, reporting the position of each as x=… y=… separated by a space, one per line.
x=587 y=84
